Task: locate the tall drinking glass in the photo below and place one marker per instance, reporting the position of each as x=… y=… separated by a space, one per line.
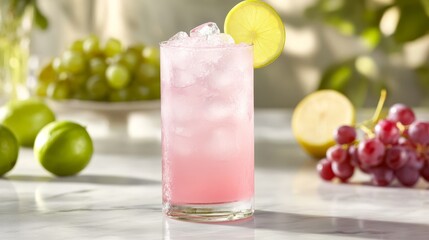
x=207 y=132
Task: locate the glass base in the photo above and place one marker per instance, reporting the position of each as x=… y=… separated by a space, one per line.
x=210 y=212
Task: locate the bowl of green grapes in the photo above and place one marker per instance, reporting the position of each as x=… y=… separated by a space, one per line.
x=101 y=75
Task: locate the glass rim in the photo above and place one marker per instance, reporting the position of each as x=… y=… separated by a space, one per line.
x=164 y=44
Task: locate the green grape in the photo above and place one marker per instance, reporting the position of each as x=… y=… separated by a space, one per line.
x=97 y=87
x=129 y=59
x=41 y=89
x=117 y=76
x=59 y=90
x=81 y=94
x=91 y=45
x=137 y=48
x=57 y=65
x=151 y=55
x=76 y=82
x=47 y=74
x=140 y=92
x=97 y=65
x=155 y=90
x=115 y=59
x=147 y=73
x=73 y=62
x=77 y=46
x=113 y=46
x=121 y=95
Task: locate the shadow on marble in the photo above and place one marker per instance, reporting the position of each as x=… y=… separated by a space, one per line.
x=339 y=226
x=93 y=179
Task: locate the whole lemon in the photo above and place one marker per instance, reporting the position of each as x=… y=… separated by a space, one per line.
x=25 y=118
x=63 y=148
x=9 y=149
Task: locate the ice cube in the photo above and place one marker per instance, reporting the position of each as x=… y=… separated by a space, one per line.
x=218 y=110
x=205 y=29
x=181 y=146
x=220 y=39
x=183 y=78
x=179 y=36
x=222 y=81
x=222 y=143
x=181 y=108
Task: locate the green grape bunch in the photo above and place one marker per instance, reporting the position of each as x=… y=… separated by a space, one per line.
x=91 y=70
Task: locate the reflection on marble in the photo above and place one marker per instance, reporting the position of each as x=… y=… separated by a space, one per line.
x=93 y=179
x=181 y=230
x=118 y=196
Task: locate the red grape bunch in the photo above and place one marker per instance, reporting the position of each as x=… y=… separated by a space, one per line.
x=397 y=147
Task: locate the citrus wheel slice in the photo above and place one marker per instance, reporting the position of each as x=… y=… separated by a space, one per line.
x=316 y=117
x=255 y=22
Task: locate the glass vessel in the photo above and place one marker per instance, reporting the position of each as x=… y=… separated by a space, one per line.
x=207 y=132
x=15 y=27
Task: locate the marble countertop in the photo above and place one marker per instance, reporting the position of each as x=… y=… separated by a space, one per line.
x=118 y=196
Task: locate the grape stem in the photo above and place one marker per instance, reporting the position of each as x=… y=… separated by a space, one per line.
x=367 y=131
x=380 y=105
x=367 y=125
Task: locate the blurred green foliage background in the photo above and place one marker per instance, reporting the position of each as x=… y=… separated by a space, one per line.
x=384 y=26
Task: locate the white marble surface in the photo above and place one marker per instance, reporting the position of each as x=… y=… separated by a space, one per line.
x=118 y=196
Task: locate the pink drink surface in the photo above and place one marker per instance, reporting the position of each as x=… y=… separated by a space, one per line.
x=207 y=124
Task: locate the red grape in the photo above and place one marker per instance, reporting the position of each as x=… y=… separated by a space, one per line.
x=419 y=133
x=324 y=167
x=415 y=161
x=396 y=157
x=371 y=152
x=354 y=159
x=407 y=176
x=336 y=153
x=345 y=134
x=343 y=170
x=353 y=156
x=401 y=113
x=364 y=168
x=387 y=132
x=382 y=175
x=424 y=172
x=399 y=149
x=405 y=142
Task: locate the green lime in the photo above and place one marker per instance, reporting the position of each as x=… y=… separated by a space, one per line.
x=9 y=149
x=63 y=148
x=25 y=118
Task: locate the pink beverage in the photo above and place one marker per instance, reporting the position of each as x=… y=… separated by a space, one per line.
x=207 y=127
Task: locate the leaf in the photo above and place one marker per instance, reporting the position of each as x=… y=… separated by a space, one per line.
x=352 y=80
x=425 y=4
x=413 y=23
x=423 y=76
x=357 y=90
x=371 y=37
x=336 y=77
x=39 y=19
x=342 y=25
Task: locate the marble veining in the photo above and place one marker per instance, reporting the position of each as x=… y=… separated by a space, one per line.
x=119 y=196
